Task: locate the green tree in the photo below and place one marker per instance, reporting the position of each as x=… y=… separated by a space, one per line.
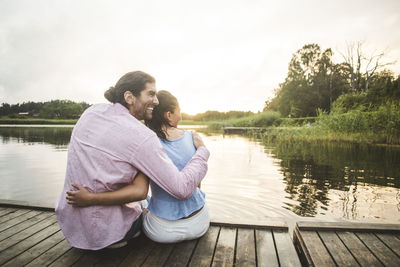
x=313 y=82
x=309 y=83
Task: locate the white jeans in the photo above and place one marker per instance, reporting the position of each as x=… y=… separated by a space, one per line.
x=166 y=231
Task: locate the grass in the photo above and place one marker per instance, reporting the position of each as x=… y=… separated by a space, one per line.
x=192 y=122
x=263 y=119
x=381 y=126
x=320 y=134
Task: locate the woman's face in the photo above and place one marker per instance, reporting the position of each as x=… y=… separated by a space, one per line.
x=174 y=117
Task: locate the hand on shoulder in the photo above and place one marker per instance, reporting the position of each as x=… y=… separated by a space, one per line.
x=197 y=140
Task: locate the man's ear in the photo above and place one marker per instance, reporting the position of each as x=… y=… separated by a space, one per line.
x=129 y=98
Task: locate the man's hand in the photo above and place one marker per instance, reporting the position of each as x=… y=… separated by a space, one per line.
x=198 y=142
x=80 y=198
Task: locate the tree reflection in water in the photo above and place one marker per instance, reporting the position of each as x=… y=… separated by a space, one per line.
x=336 y=180
x=312 y=170
x=57 y=136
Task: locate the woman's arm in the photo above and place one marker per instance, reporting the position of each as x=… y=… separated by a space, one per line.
x=134 y=192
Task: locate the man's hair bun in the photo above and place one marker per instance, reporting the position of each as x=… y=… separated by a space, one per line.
x=110 y=94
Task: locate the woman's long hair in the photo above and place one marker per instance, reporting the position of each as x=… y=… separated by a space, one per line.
x=167 y=102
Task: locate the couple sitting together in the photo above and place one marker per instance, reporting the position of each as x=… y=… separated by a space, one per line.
x=112 y=158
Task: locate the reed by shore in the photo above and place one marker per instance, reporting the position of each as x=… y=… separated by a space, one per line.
x=381 y=126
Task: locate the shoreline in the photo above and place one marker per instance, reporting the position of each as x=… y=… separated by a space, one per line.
x=7 y=121
x=309 y=134
x=270 y=134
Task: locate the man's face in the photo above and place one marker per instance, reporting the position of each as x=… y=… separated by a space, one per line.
x=143 y=105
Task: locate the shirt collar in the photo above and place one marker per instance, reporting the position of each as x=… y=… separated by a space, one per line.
x=121 y=108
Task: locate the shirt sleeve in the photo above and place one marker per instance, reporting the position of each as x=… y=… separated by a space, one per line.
x=152 y=160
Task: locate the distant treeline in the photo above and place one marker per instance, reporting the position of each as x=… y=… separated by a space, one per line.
x=213 y=115
x=66 y=109
x=314 y=82
x=55 y=109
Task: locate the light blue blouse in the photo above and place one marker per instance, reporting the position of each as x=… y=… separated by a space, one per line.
x=162 y=204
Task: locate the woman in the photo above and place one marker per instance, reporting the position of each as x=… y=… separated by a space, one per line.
x=166 y=219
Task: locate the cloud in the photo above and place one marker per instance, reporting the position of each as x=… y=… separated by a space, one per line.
x=212 y=54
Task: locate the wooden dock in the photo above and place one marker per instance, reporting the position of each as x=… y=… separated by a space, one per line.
x=32 y=237
x=347 y=244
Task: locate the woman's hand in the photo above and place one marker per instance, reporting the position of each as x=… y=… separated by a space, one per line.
x=130 y=193
x=80 y=198
x=198 y=142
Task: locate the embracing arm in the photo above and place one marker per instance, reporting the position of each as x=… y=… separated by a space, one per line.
x=134 y=192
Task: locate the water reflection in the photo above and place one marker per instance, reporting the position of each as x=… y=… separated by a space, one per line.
x=57 y=136
x=318 y=176
x=246 y=177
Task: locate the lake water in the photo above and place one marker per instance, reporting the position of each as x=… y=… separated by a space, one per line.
x=246 y=177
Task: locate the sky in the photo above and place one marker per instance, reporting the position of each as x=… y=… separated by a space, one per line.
x=211 y=54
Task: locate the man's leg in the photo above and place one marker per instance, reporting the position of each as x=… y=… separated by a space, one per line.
x=135 y=229
x=133 y=232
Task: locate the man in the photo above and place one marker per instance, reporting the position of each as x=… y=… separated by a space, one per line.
x=109 y=147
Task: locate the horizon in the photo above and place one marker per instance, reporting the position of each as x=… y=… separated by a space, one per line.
x=182 y=112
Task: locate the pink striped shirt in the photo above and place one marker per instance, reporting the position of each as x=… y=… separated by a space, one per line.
x=108 y=147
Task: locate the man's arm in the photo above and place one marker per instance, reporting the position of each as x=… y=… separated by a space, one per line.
x=134 y=192
x=154 y=162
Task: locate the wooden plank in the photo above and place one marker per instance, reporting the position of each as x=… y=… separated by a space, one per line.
x=315 y=249
x=36 y=250
x=12 y=215
x=337 y=249
x=248 y=223
x=245 y=248
x=380 y=250
x=347 y=226
x=357 y=248
x=139 y=252
x=159 y=255
x=181 y=254
x=5 y=211
x=301 y=248
x=19 y=219
x=19 y=204
x=51 y=255
x=224 y=252
x=113 y=257
x=68 y=258
x=284 y=246
x=109 y=257
x=14 y=239
x=204 y=251
x=391 y=241
x=266 y=254
x=89 y=258
x=27 y=243
x=24 y=225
